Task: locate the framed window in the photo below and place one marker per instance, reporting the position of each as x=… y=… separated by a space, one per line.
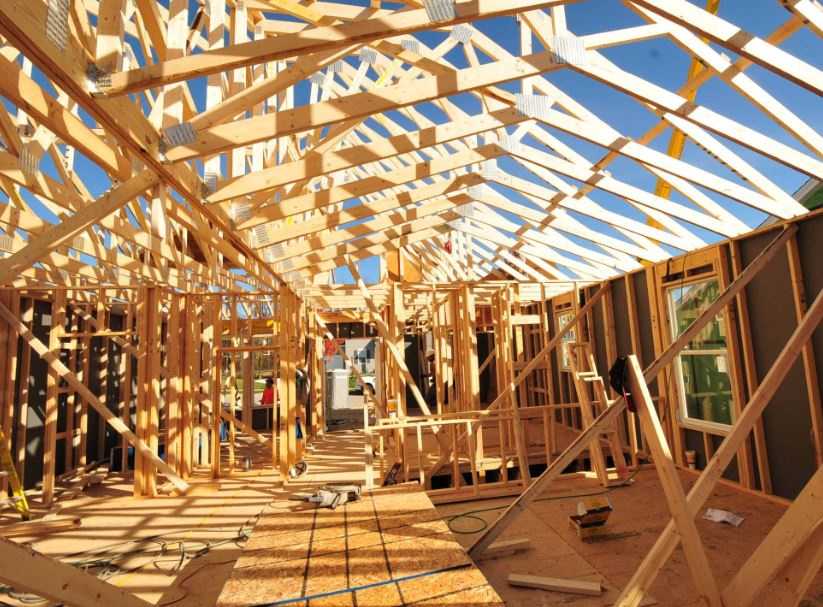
x=701 y=368
x=564 y=318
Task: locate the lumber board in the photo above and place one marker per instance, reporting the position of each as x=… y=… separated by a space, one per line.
x=26 y=570
x=115 y=422
x=506 y=548
x=40 y=526
x=566 y=585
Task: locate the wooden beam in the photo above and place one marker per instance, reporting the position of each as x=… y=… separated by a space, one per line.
x=655 y=559
x=655 y=439
x=313 y=40
x=607 y=417
x=54 y=363
x=26 y=570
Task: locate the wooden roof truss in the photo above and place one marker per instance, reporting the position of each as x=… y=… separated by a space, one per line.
x=172 y=142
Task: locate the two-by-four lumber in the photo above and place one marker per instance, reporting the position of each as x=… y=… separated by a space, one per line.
x=397 y=355
x=53 y=361
x=655 y=559
x=696 y=559
x=58 y=318
x=799 y=525
x=40 y=526
x=608 y=417
x=26 y=570
x=566 y=585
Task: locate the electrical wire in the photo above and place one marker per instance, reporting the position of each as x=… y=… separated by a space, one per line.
x=483 y=524
x=170 y=556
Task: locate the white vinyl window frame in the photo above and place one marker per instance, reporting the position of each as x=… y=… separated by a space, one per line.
x=563 y=318
x=683 y=417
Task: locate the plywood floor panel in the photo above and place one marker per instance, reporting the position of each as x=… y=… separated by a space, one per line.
x=389 y=535
x=639 y=515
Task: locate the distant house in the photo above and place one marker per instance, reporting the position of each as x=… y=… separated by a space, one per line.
x=810 y=194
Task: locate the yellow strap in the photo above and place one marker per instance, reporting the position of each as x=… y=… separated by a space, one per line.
x=7 y=465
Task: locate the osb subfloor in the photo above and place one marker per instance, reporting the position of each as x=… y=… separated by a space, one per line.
x=147 y=545
x=391 y=535
x=639 y=516
x=294 y=550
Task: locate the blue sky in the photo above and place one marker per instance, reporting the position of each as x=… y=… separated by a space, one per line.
x=663 y=63
x=658 y=61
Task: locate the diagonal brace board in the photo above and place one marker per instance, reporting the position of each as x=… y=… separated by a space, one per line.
x=26 y=570
x=56 y=366
x=656 y=441
x=795 y=528
x=605 y=419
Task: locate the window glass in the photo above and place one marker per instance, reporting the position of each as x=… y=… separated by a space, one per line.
x=564 y=318
x=702 y=366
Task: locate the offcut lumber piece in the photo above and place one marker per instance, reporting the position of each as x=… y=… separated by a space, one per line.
x=506 y=548
x=556 y=584
x=40 y=526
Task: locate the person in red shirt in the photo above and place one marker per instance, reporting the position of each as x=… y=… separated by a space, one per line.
x=269 y=399
x=269 y=393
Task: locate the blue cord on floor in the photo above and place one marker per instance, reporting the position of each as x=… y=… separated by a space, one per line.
x=320 y=595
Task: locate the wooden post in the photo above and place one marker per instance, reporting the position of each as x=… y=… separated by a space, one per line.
x=23 y=390
x=8 y=371
x=148 y=391
x=214 y=306
x=634 y=334
x=808 y=355
x=125 y=371
x=247 y=371
x=85 y=369
x=744 y=457
x=750 y=368
x=102 y=370
x=175 y=344
x=191 y=366
x=234 y=330
x=285 y=434
x=58 y=317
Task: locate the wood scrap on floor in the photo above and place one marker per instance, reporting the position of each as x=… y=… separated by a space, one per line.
x=570 y=586
x=40 y=526
x=506 y=548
